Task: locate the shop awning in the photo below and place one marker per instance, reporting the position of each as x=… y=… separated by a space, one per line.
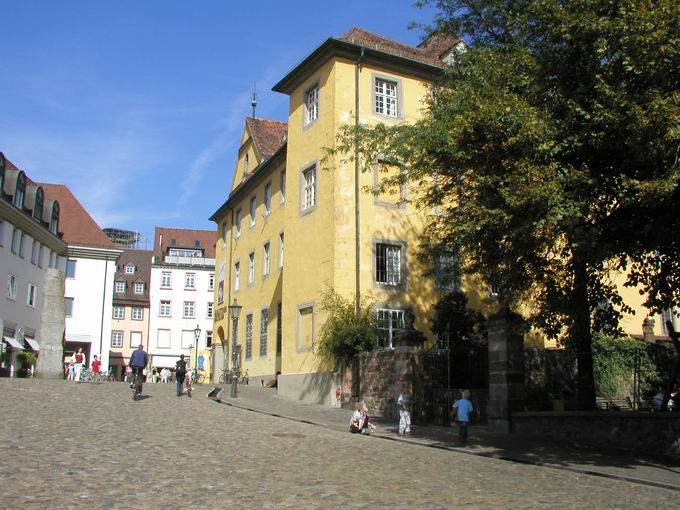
x=164 y=361
x=32 y=344
x=14 y=344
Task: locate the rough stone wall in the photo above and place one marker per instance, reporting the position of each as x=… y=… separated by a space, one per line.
x=376 y=373
x=657 y=433
x=50 y=362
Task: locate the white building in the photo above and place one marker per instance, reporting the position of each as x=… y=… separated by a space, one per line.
x=90 y=272
x=181 y=297
x=29 y=244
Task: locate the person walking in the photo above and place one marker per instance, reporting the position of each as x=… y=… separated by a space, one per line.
x=404 y=403
x=78 y=362
x=180 y=374
x=96 y=365
x=462 y=409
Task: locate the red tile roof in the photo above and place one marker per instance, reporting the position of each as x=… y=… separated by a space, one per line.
x=429 y=51
x=268 y=135
x=185 y=238
x=74 y=221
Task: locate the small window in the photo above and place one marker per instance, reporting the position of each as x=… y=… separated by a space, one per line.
x=173 y=242
x=246 y=164
x=190 y=281
x=264 y=323
x=188 y=310
x=266 y=255
x=54 y=219
x=211 y=281
x=447 y=271
x=268 y=199
x=71 y=268
x=237 y=223
x=282 y=187
x=116 y=339
x=388 y=264
x=16 y=241
x=32 y=294
x=139 y=288
x=119 y=287
x=22 y=245
x=118 y=312
x=311 y=105
x=209 y=313
x=12 y=287
x=251 y=268
x=164 y=310
x=208 y=339
x=225 y=231
x=135 y=338
x=20 y=191
x=68 y=306
x=35 y=253
x=308 y=188
x=137 y=313
x=197 y=244
x=281 y=250
x=249 y=336
x=39 y=204
x=279 y=329
x=129 y=269
x=237 y=276
x=389 y=322
x=163 y=339
x=386 y=97
x=253 y=211
x=166 y=279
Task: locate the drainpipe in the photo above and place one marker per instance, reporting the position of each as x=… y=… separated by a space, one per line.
x=227 y=283
x=357 y=172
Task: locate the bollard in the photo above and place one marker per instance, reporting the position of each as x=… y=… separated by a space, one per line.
x=234 y=382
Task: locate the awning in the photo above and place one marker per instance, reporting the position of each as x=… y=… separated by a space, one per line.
x=70 y=337
x=164 y=361
x=13 y=343
x=32 y=344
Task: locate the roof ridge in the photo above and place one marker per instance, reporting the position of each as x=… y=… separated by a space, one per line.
x=393 y=41
x=184 y=229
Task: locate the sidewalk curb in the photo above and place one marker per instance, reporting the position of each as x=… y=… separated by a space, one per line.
x=441 y=446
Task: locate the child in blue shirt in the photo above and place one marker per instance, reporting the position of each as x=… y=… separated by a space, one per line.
x=462 y=409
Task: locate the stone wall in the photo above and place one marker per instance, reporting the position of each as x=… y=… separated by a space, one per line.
x=376 y=374
x=657 y=433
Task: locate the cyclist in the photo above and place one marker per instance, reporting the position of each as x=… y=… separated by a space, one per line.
x=138 y=361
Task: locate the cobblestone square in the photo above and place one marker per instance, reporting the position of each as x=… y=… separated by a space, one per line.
x=68 y=445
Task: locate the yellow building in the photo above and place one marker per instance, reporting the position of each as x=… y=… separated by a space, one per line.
x=295 y=222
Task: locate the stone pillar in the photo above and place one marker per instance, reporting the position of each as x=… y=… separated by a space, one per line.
x=648 y=329
x=50 y=363
x=506 y=369
x=407 y=345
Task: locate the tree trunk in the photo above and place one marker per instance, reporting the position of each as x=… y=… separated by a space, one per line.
x=582 y=334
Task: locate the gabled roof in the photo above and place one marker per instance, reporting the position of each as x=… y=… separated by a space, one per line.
x=74 y=221
x=268 y=135
x=141 y=259
x=184 y=238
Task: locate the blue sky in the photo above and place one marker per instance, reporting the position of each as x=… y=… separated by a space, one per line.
x=138 y=105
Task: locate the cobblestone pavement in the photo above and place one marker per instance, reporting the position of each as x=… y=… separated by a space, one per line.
x=67 y=445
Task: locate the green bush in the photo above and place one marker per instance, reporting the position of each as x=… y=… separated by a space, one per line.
x=345 y=334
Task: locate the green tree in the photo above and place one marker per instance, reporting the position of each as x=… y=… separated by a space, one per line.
x=463 y=327
x=552 y=148
x=346 y=333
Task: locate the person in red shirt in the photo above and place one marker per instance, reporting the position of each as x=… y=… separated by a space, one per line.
x=96 y=365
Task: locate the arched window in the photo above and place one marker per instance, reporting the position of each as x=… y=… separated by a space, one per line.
x=38 y=204
x=54 y=221
x=20 y=192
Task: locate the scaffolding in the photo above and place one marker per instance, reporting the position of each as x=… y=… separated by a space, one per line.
x=126 y=238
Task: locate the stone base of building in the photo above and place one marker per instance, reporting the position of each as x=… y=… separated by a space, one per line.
x=314 y=387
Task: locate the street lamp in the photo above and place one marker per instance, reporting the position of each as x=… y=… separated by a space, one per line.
x=234 y=312
x=197 y=335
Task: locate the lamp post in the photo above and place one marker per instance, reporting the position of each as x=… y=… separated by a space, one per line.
x=197 y=336
x=234 y=312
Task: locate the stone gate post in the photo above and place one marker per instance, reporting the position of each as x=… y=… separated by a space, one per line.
x=408 y=343
x=506 y=369
x=50 y=364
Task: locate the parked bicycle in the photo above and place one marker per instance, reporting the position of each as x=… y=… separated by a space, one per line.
x=197 y=377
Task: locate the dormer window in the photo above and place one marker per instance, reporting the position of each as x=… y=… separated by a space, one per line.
x=311 y=104
x=119 y=287
x=38 y=204
x=20 y=192
x=129 y=269
x=245 y=165
x=54 y=221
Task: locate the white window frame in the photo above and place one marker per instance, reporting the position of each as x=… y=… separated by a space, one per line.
x=447 y=271
x=251 y=268
x=16 y=241
x=117 y=339
x=137 y=286
x=210 y=310
x=134 y=343
x=169 y=337
x=253 y=211
x=282 y=187
x=311 y=105
x=32 y=295
x=119 y=287
x=12 y=287
x=387 y=97
x=137 y=310
x=249 y=337
x=165 y=308
x=264 y=327
x=118 y=312
x=166 y=280
x=395 y=321
x=281 y=250
x=266 y=259
x=189 y=281
x=237 y=223
x=129 y=269
x=75 y=266
x=237 y=276
x=390 y=271
x=189 y=310
x=268 y=198
x=308 y=199
x=211 y=281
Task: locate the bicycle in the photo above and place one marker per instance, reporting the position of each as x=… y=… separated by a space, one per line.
x=244 y=379
x=137 y=383
x=225 y=378
x=197 y=377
